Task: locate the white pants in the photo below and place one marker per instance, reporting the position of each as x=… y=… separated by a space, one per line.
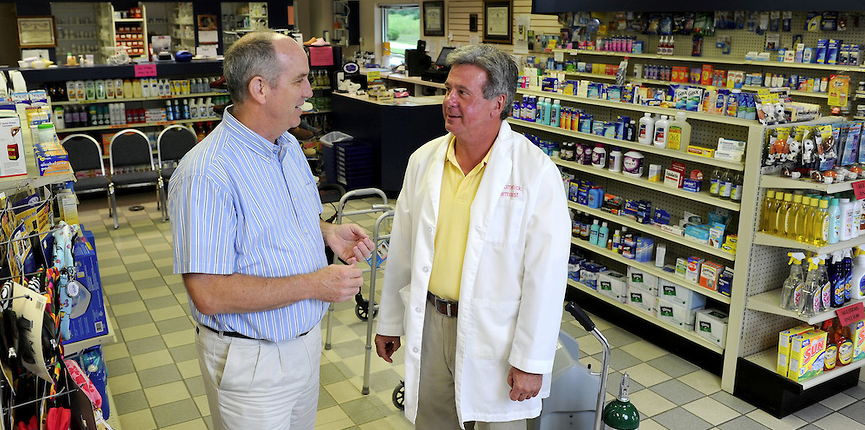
x=254 y=384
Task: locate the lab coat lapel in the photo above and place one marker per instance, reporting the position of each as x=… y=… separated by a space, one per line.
x=434 y=179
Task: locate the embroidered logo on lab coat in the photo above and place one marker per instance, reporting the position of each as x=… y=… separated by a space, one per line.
x=514 y=192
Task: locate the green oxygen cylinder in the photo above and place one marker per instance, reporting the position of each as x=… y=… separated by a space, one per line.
x=621 y=414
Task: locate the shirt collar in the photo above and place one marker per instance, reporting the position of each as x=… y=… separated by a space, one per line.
x=255 y=141
x=452 y=158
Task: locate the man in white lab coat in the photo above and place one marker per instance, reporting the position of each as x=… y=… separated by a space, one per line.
x=478 y=258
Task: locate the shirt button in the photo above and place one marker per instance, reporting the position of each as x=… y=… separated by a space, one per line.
x=425 y=269
x=430 y=229
x=415 y=350
x=417 y=309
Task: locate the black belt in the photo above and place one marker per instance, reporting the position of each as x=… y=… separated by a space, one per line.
x=235 y=334
x=445 y=307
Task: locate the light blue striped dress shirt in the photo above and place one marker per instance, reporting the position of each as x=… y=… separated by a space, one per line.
x=242 y=204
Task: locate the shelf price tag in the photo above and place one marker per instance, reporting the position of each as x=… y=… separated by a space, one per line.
x=145 y=70
x=850 y=314
x=859 y=189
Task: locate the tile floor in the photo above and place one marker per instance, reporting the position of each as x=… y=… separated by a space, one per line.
x=156 y=383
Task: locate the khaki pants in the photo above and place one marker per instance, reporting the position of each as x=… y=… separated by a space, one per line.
x=436 y=398
x=254 y=384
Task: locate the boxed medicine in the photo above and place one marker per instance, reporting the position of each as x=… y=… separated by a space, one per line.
x=641 y=279
x=695 y=264
x=642 y=300
x=784 y=340
x=613 y=284
x=680 y=295
x=807 y=354
x=712 y=325
x=673 y=313
x=709 y=274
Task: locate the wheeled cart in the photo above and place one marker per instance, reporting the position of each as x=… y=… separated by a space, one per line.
x=576 y=393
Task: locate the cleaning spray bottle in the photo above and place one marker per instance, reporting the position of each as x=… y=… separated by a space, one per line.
x=809 y=303
x=847 y=266
x=858 y=274
x=825 y=284
x=791 y=291
x=621 y=414
x=838 y=279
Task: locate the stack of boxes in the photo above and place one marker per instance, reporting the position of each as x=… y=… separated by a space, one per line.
x=802 y=350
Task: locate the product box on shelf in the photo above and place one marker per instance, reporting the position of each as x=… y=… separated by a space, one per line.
x=807 y=355
x=613 y=284
x=676 y=314
x=784 y=340
x=680 y=295
x=709 y=274
x=88 y=318
x=640 y=279
x=692 y=273
x=642 y=299
x=857 y=334
x=12 y=161
x=712 y=325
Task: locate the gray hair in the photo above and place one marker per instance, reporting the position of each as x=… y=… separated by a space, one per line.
x=502 y=71
x=253 y=55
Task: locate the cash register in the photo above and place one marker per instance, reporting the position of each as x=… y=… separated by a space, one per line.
x=439 y=71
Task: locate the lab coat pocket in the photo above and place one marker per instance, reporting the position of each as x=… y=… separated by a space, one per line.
x=506 y=226
x=495 y=324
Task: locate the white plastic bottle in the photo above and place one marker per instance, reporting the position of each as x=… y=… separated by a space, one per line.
x=599 y=158
x=616 y=159
x=661 y=132
x=846 y=232
x=834 y=221
x=647 y=129
x=857 y=286
x=193 y=109
x=679 y=132
x=857 y=217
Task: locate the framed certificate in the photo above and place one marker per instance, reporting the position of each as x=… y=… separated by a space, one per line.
x=433 y=18
x=36 y=32
x=498 y=22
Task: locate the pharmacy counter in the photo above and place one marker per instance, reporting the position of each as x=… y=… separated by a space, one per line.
x=395 y=128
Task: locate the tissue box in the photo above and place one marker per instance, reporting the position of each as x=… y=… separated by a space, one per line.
x=88 y=318
x=640 y=279
x=642 y=300
x=678 y=316
x=712 y=325
x=613 y=284
x=680 y=295
x=784 y=341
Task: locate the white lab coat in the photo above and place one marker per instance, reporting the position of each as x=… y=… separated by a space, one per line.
x=513 y=281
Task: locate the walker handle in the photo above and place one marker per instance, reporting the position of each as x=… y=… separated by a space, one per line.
x=580 y=315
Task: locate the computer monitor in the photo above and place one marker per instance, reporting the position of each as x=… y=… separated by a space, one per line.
x=442 y=60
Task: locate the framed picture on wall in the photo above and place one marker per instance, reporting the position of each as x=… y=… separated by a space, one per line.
x=433 y=18
x=498 y=22
x=36 y=32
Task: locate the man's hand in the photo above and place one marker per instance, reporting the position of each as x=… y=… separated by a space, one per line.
x=348 y=241
x=524 y=385
x=385 y=346
x=337 y=282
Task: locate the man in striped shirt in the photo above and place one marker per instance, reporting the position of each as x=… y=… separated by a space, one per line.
x=249 y=241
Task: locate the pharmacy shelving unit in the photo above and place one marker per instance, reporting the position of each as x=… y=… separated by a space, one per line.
x=762 y=318
x=706 y=129
x=115 y=31
x=241 y=17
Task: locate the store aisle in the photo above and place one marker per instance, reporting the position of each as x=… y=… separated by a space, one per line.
x=156 y=384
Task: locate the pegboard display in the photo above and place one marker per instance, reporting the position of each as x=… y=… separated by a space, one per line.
x=760 y=331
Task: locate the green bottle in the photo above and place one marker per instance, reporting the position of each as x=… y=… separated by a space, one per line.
x=621 y=414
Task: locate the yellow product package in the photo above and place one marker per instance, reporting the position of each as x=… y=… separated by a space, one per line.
x=784 y=339
x=807 y=355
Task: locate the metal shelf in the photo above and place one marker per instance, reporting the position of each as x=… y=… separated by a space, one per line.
x=702 y=116
x=129 y=20
x=702 y=196
x=768 y=302
x=768 y=181
x=654 y=231
x=34 y=181
x=136 y=125
x=717 y=60
x=591 y=75
x=652 y=270
x=138 y=99
x=679 y=155
x=744 y=87
x=687 y=335
x=81 y=345
x=768 y=360
x=782 y=242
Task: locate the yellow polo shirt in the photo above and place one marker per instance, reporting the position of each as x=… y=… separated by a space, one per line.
x=457 y=194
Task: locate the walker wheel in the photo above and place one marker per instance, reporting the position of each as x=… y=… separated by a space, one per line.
x=362 y=310
x=399 y=396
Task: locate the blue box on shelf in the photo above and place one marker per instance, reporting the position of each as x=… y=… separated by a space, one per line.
x=88 y=318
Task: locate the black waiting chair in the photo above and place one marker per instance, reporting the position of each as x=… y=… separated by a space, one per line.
x=85 y=157
x=132 y=166
x=171 y=145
